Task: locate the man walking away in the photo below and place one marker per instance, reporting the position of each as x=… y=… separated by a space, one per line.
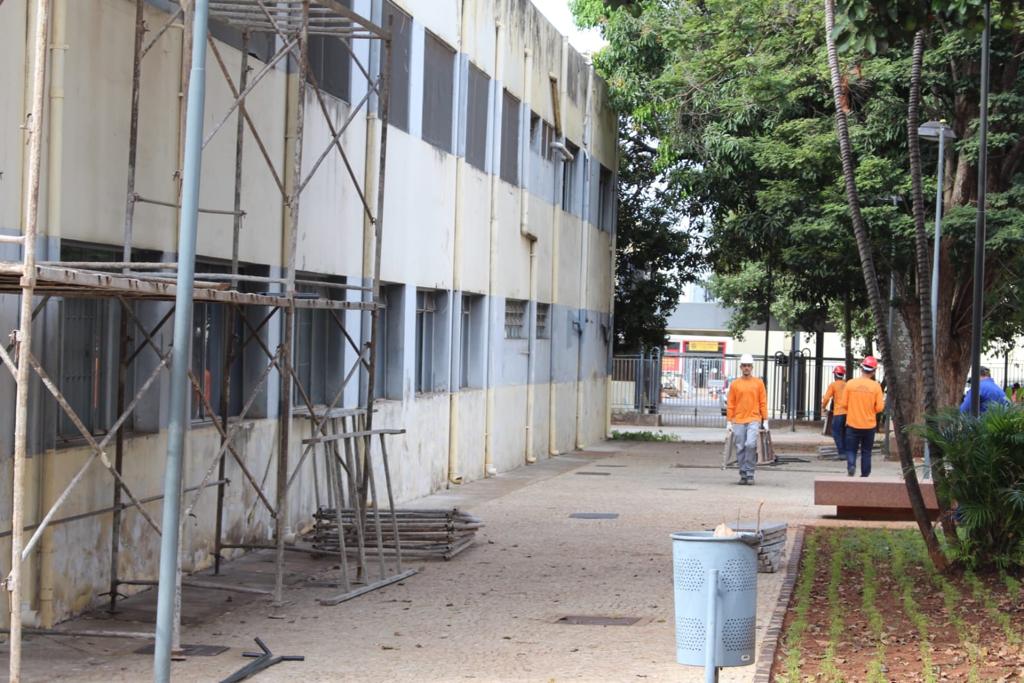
x=862 y=401
x=746 y=412
x=990 y=393
x=834 y=393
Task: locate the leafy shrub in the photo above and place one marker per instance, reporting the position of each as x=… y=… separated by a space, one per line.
x=984 y=477
x=643 y=436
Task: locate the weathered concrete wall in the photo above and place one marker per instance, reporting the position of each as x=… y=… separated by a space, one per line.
x=422 y=202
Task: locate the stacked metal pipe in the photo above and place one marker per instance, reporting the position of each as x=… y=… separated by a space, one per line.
x=438 y=534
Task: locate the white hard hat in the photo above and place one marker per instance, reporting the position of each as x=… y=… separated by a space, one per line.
x=746 y=359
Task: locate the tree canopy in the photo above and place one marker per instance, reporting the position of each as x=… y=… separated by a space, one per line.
x=738 y=100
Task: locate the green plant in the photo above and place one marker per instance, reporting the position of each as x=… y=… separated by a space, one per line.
x=984 y=596
x=802 y=598
x=643 y=436
x=1012 y=586
x=984 y=475
x=869 y=557
x=838 y=542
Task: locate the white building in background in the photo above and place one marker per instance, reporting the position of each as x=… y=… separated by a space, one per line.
x=497 y=258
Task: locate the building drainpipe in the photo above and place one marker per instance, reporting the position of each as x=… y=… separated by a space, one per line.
x=524 y=230
x=454 y=365
x=499 y=60
x=612 y=249
x=558 y=85
x=54 y=209
x=584 y=255
x=370 y=166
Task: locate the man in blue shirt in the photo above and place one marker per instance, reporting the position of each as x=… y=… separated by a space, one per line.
x=990 y=392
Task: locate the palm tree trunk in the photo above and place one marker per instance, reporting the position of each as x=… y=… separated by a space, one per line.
x=921 y=254
x=878 y=313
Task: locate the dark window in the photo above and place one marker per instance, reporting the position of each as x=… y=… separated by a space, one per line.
x=84 y=366
x=509 y=138
x=569 y=177
x=319 y=350
x=426 y=308
x=398 y=91
x=388 y=370
x=330 y=65
x=261 y=45
x=210 y=338
x=476 y=117
x=606 y=200
x=438 y=89
x=471 y=368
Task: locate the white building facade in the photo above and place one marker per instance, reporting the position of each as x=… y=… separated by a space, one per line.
x=497 y=261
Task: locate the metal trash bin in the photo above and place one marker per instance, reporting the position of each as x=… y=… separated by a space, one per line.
x=702 y=561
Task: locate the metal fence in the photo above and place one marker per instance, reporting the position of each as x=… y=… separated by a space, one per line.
x=694 y=388
x=637 y=383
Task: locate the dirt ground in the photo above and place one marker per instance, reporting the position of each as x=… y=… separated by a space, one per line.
x=492 y=613
x=928 y=628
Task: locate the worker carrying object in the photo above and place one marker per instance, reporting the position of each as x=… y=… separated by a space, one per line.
x=746 y=412
x=834 y=393
x=862 y=400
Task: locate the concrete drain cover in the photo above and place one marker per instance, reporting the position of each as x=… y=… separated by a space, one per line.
x=594 y=515
x=610 y=465
x=583 y=620
x=596 y=474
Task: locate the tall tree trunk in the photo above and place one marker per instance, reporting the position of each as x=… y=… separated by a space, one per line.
x=848 y=334
x=875 y=299
x=924 y=287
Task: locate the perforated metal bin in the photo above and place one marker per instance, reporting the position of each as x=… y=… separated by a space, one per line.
x=695 y=554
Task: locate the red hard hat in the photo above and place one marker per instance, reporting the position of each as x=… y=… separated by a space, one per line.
x=869 y=364
x=839 y=371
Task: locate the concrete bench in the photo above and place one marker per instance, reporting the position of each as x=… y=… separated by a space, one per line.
x=878 y=498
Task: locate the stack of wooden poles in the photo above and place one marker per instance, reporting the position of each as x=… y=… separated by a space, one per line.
x=425 y=534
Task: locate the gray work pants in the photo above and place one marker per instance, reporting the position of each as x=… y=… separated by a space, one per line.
x=746 y=447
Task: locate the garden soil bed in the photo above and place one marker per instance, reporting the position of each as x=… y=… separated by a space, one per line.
x=868 y=607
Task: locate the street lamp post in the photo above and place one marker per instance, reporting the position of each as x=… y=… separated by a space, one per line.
x=936 y=130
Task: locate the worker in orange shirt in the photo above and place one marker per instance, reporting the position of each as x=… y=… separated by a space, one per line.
x=746 y=412
x=862 y=401
x=833 y=393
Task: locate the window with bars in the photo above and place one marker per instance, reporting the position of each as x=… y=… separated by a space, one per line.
x=515 y=319
x=542 y=134
x=476 y=117
x=426 y=308
x=509 y=138
x=261 y=45
x=319 y=346
x=401 y=45
x=543 y=321
x=438 y=91
x=84 y=365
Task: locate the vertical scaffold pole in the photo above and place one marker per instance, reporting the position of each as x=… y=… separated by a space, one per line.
x=180 y=351
x=28 y=285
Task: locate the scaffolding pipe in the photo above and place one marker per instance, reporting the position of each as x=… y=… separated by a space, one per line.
x=28 y=283
x=180 y=352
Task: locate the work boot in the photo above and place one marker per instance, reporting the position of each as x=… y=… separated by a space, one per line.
x=849 y=471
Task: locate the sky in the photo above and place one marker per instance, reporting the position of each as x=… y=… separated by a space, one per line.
x=557 y=12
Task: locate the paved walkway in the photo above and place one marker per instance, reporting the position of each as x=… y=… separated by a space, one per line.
x=491 y=614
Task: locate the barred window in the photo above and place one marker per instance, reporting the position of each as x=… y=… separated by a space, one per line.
x=543 y=314
x=426 y=307
x=401 y=46
x=606 y=200
x=515 y=317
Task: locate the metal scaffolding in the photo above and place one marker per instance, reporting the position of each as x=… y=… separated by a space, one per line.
x=338 y=448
